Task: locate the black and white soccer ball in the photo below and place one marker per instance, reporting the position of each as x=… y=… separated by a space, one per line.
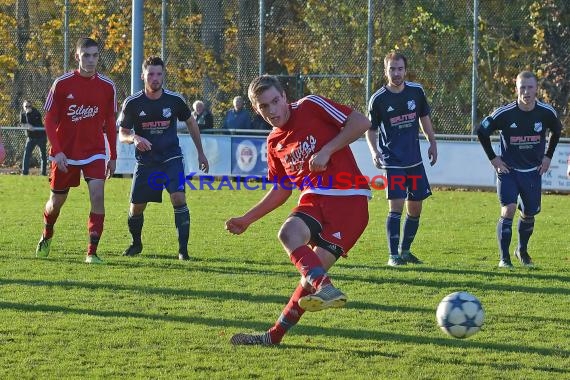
x=460 y=314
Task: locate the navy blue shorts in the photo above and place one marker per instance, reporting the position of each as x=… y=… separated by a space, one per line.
x=523 y=188
x=408 y=183
x=149 y=181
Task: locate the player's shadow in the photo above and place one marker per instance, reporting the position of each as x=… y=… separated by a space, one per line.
x=528 y=273
x=310 y=330
x=257 y=268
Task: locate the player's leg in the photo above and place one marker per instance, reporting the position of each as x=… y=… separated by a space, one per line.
x=60 y=183
x=411 y=225
x=396 y=193
x=294 y=236
x=174 y=170
x=96 y=218
x=418 y=189
x=529 y=203
x=333 y=235
x=143 y=190
x=94 y=174
x=508 y=193
x=182 y=223
x=393 y=223
x=294 y=310
x=338 y=234
x=312 y=265
x=135 y=221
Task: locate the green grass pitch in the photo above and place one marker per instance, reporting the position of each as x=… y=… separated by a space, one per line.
x=156 y=317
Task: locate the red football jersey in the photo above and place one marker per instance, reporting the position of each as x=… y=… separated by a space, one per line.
x=313 y=122
x=78 y=111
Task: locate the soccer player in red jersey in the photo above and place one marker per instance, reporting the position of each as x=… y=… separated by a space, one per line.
x=80 y=110
x=307 y=149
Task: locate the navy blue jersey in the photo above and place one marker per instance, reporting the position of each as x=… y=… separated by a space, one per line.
x=522 y=133
x=156 y=121
x=397 y=116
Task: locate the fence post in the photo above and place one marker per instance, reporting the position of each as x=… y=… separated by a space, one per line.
x=369 y=52
x=261 y=37
x=137 y=47
x=475 y=63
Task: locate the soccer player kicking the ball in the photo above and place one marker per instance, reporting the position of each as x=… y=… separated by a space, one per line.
x=308 y=143
x=80 y=109
x=148 y=120
x=522 y=161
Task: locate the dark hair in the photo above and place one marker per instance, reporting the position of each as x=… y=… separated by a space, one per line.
x=85 y=42
x=152 y=61
x=262 y=83
x=395 y=56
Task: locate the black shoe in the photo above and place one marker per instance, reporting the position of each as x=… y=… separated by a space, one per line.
x=133 y=250
x=409 y=257
x=183 y=256
x=251 y=339
x=524 y=258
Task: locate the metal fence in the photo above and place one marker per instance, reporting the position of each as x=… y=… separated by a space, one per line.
x=335 y=48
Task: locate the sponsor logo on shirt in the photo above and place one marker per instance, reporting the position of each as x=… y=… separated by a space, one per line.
x=156 y=127
x=513 y=126
x=298 y=155
x=515 y=140
x=390 y=109
x=142 y=113
x=81 y=112
x=403 y=121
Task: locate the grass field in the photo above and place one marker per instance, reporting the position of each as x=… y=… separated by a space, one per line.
x=156 y=317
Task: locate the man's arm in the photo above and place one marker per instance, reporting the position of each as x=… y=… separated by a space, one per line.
x=128 y=136
x=272 y=200
x=485 y=141
x=427 y=129
x=354 y=127
x=553 y=140
x=372 y=142
x=194 y=131
x=111 y=133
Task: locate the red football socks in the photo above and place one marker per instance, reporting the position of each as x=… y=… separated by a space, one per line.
x=49 y=221
x=310 y=266
x=95 y=228
x=289 y=317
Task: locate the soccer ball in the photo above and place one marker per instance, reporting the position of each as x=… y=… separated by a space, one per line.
x=460 y=315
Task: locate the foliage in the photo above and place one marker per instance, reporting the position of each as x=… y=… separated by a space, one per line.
x=318 y=46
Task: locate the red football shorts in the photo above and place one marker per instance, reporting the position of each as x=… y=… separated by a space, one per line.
x=336 y=222
x=60 y=181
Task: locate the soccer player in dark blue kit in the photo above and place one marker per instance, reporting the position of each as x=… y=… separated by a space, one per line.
x=522 y=161
x=397 y=111
x=148 y=119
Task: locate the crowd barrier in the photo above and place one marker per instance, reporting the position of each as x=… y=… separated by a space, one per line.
x=460 y=164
